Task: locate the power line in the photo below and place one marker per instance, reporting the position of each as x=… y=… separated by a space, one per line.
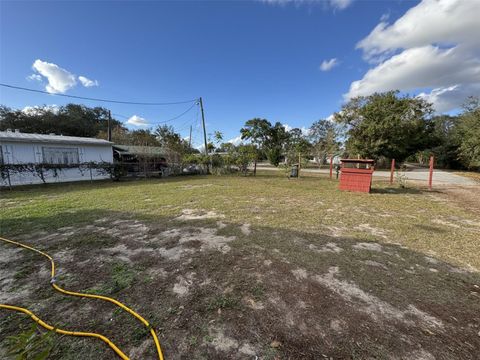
x=165 y=121
x=95 y=99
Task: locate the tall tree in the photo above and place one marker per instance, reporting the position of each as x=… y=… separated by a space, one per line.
x=269 y=139
x=256 y=130
x=173 y=143
x=324 y=137
x=445 y=141
x=386 y=125
x=276 y=143
x=469 y=134
x=297 y=145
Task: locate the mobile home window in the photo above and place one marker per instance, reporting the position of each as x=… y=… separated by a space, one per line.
x=57 y=155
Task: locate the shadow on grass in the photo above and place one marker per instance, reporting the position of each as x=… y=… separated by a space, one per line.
x=65 y=187
x=399 y=191
x=360 y=283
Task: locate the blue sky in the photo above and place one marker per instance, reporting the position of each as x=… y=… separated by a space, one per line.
x=245 y=58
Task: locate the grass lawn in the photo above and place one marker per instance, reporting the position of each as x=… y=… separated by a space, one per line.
x=237 y=267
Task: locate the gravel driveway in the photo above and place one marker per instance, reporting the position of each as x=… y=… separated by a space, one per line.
x=440 y=177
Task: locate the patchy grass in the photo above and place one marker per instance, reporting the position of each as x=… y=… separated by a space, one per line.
x=238 y=267
x=419 y=219
x=222 y=302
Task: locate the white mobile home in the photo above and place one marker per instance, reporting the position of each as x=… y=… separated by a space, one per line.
x=17 y=148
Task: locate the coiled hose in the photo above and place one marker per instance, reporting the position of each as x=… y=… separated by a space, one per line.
x=91 y=296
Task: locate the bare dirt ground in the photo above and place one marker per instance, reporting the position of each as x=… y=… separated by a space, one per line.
x=212 y=298
x=219 y=289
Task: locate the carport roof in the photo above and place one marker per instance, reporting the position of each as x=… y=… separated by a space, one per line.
x=140 y=150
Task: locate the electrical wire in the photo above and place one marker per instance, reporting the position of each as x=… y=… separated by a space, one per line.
x=96 y=99
x=164 y=121
x=92 y=296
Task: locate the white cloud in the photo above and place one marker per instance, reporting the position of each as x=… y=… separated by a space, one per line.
x=440 y=22
x=34 y=110
x=340 y=4
x=87 y=82
x=331 y=117
x=59 y=80
x=34 y=77
x=328 y=65
x=335 y=4
x=136 y=120
x=420 y=67
x=305 y=131
x=236 y=140
x=432 y=48
x=446 y=99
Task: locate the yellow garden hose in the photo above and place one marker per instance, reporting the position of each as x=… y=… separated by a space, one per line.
x=92 y=296
x=66 y=332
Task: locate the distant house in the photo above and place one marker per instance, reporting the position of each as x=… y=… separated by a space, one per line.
x=68 y=152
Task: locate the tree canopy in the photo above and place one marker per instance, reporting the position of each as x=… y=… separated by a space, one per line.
x=386 y=125
x=323 y=135
x=69 y=120
x=468 y=129
x=270 y=139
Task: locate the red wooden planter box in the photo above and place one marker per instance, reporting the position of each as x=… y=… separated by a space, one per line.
x=356 y=179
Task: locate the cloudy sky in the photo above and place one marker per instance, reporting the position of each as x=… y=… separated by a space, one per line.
x=292 y=61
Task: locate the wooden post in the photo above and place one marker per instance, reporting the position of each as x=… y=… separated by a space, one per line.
x=203 y=125
x=331 y=166
x=109 y=126
x=392 y=169
x=190 y=139
x=430 y=174
x=299 y=164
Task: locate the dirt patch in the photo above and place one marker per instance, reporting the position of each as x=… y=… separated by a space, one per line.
x=300 y=274
x=245 y=228
x=193 y=214
x=375 y=264
x=335 y=231
x=206 y=237
x=328 y=247
x=372 y=305
x=372 y=230
x=183 y=284
x=370 y=246
x=221 y=342
x=189 y=187
x=446 y=223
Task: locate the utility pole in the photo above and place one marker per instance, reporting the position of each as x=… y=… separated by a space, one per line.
x=109 y=124
x=203 y=124
x=190 y=138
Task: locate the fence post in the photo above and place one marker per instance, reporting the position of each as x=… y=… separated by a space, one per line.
x=430 y=175
x=392 y=169
x=331 y=166
x=90 y=169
